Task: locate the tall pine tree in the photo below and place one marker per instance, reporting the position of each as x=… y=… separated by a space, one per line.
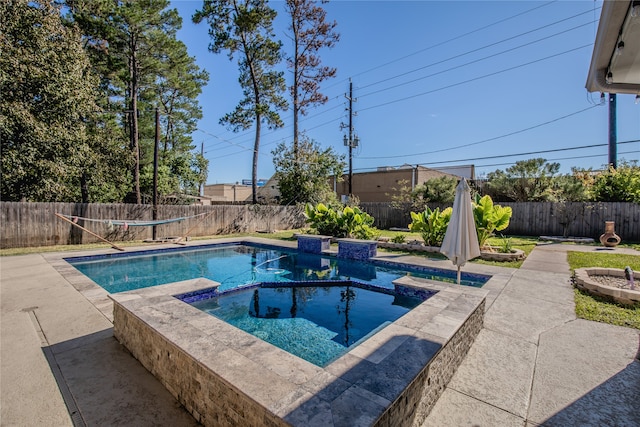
x=245 y=27
x=176 y=89
x=134 y=48
x=310 y=32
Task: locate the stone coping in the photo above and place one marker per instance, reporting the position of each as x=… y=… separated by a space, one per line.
x=313 y=236
x=356 y=241
x=623 y=296
x=357 y=389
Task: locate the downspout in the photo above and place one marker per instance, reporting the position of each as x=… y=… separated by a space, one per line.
x=613 y=132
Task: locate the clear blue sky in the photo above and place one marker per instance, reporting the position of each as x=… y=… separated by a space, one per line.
x=438 y=83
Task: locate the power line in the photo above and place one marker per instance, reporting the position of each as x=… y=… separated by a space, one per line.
x=485 y=140
x=239 y=135
x=244 y=149
x=456 y=56
x=467 y=63
x=468 y=33
x=560 y=158
x=476 y=78
x=555 y=150
x=491 y=45
x=469 y=52
x=228 y=141
x=582 y=147
x=222 y=140
x=458 y=84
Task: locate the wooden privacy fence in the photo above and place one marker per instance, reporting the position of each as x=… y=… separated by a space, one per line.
x=541 y=218
x=34 y=224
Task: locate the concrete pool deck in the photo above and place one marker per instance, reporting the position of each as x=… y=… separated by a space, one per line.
x=532 y=364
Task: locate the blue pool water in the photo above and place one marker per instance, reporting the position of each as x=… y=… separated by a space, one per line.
x=317 y=322
x=238 y=265
x=316 y=307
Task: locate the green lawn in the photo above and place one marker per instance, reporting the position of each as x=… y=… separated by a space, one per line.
x=407 y=235
x=600 y=309
x=604 y=260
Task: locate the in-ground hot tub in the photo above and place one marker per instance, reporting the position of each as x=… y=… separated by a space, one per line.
x=225 y=376
x=318 y=321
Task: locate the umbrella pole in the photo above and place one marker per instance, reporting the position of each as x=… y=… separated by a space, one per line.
x=458 y=275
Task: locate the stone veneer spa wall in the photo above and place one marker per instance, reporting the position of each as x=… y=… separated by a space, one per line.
x=224 y=376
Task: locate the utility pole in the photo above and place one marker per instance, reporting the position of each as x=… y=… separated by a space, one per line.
x=201 y=192
x=155 y=173
x=613 y=132
x=350 y=140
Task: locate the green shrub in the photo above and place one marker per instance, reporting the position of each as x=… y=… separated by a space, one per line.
x=322 y=219
x=345 y=222
x=505 y=245
x=489 y=218
x=618 y=185
x=399 y=238
x=431 y=224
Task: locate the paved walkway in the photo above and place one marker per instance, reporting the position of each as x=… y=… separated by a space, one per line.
x=533 y=363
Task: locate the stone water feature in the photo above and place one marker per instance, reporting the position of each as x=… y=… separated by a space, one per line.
x=610 y=283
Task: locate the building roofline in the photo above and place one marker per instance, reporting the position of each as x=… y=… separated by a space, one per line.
x=612 y=19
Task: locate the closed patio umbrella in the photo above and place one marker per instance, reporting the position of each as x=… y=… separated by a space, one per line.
x=460 y=242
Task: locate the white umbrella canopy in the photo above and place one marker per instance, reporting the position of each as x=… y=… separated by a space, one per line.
x=460 y=242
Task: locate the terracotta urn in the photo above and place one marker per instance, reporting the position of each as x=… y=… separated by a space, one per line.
x=610 y=238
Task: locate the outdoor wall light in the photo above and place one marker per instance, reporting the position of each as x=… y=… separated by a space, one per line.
x=620 y=48
x=635 y=9
x=609 y=78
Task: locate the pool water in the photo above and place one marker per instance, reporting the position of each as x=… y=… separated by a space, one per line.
x=238 y=265
x=316 y=307
x=317 y=323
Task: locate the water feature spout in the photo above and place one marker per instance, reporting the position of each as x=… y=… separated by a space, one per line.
x=628 y=274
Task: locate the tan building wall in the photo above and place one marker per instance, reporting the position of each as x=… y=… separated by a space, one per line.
x=227 y=192
x=241 y=193
x=379 y=186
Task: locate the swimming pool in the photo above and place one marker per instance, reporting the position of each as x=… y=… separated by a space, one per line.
x=234 y=265
x=219 y=372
